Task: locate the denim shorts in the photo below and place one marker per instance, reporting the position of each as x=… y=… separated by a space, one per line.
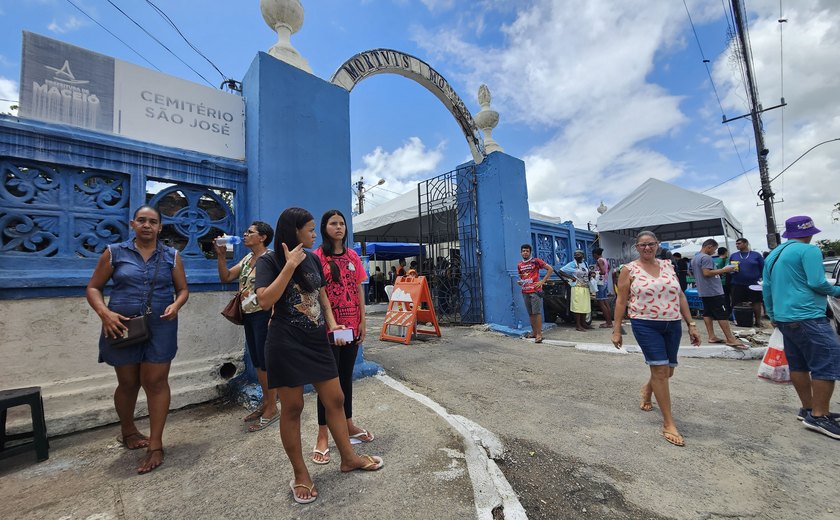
x=659 y=340
x=812 y=346
x=256 y=329
x=602 y=293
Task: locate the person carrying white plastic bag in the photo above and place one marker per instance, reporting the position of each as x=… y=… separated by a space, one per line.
x=774 y=367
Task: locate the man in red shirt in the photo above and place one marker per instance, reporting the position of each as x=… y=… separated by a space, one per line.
x=529 y=279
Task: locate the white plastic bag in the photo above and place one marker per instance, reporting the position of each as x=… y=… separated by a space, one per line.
x=774 y=367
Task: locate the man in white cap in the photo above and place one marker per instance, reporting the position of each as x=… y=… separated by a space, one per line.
x=794 y=297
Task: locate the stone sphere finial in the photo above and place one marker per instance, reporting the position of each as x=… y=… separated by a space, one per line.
x=486 y=120
x=286 y=18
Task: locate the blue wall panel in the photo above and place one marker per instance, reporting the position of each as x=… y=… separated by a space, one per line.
x=298 y=142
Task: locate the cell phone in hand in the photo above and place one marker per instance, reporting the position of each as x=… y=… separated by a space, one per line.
x=343 y=334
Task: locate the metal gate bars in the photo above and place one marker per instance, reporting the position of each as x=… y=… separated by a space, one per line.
x=449 y=232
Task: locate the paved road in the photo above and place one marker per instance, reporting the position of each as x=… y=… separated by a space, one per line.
x=576 y=446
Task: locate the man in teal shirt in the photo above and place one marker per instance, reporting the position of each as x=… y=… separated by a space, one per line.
x=794 y=290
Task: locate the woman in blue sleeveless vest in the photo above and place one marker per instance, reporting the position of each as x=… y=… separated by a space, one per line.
x=132 y=265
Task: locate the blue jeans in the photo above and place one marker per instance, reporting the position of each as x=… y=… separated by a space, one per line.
x=811 y=346
x=659 y=340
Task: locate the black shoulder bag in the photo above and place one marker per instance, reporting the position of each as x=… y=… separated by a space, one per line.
x=137 y=327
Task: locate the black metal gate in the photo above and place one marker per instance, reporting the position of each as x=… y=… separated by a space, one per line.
x=449 y=232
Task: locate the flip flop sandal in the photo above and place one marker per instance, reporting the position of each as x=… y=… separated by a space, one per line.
x=675 y=438
x=299 y=500
x=253 y=416
x=357 y=438
x=122 y=440
x=528 y=335
x=264 y=423
x=716 y=341
x=739 y=346
x=374 y=463
x=325 y=453
x=538 y=340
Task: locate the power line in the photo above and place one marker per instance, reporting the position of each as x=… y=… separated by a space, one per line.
x=112 y=34
x=717 y=96
x=731 y=179
x=159 y=42
x=9 y=100
x=803 y=155
x=169 y=20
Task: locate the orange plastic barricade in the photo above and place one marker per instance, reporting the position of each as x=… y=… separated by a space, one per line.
x=410 y=304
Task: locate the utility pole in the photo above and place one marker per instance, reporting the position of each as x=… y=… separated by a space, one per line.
x=360 y=190
x=766 y=193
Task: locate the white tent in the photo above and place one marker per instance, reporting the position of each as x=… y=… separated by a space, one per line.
x=398 y=220
x=671 y=212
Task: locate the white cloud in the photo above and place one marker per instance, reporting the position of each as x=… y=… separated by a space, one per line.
x=438 y=5
x=401 y=168
x=812 y=90
x=70 y=23
x=8 y=90
x=581 y=72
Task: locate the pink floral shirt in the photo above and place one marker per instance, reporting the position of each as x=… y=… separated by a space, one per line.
x=344 y=294
x=654 y=298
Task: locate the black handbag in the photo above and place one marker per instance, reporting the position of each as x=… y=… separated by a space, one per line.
x=137 y=327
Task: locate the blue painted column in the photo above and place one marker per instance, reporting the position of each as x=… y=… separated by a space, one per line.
x=297 y=145
x=504 y=224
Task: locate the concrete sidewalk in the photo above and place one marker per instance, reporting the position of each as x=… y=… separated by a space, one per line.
x=215 y=469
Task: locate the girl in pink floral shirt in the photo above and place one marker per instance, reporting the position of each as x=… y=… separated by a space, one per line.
x=344 y=273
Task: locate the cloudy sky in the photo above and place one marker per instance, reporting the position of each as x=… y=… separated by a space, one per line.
x=595 y=96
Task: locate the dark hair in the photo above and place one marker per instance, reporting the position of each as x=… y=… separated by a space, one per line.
x=710 y=242
x=598 y=251
x=264 y=228
x=147 y=206
x=742 y=239
x=525 y=246
x=327 y=244
x=677 y=255
x=288 y=224
x=722 y=251
x=645 y=233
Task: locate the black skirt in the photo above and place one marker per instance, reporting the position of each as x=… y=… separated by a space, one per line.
x=296 y=356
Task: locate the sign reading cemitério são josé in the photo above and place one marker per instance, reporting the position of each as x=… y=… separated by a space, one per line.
x=388 y=61
x=62 y=83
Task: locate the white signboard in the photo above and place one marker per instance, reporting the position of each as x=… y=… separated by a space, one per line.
x=62 y=83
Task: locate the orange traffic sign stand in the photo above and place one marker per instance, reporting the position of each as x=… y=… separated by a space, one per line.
x=410 y=304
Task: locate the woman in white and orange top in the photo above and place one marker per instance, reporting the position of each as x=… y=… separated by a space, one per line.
x=649 y=287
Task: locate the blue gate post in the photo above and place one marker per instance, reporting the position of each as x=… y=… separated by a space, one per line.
x=504 y=224
x=297 y=144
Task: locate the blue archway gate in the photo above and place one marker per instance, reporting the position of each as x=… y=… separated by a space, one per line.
x=388 y=61
x=447 y=203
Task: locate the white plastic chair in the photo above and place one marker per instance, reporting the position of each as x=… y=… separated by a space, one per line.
x=389 y=289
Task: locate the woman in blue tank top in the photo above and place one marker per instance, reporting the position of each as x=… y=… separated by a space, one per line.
x=131 y=265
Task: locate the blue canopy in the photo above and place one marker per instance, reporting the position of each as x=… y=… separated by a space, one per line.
x=391 y=250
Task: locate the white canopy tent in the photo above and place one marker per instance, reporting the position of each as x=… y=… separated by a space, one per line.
x=671 y=212
x=398 y=220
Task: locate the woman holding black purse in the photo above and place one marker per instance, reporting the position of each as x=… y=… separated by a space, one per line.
x=145 y=276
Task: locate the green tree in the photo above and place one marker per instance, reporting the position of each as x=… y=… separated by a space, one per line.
x=829 y=245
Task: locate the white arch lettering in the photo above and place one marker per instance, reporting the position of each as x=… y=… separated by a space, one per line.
x=388 y=61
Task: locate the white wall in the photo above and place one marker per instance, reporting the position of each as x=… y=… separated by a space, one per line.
x=52 y=343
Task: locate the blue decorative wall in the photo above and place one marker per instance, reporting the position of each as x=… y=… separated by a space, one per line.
x=67 y=193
